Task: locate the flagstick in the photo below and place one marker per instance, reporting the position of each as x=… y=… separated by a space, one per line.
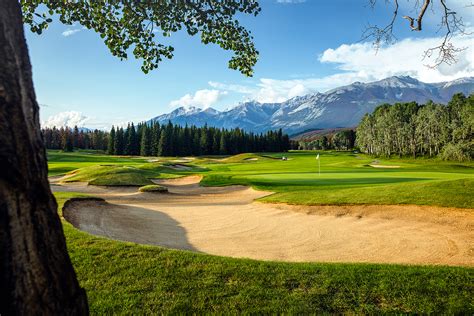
x=319 y=165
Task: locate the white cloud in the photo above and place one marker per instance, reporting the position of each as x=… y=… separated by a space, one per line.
x=201 y=98
x=70 y=32
x=63 y=119
x=403 y=58
x=361 y=62
x=232 y=87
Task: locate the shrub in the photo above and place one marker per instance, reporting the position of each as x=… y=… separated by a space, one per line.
x=459 y=152
x=154 y=188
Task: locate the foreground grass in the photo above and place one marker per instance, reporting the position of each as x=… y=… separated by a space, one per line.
x=126 y=278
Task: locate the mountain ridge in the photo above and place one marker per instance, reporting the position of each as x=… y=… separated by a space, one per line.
x=337 y=108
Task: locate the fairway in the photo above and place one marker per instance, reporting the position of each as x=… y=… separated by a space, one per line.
x=351 y=205
x=346 y=178
x=225 y=221
x=350 y=212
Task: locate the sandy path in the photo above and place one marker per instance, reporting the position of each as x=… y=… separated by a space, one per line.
x=225 y=221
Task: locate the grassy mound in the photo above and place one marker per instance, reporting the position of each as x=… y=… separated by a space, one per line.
x=248 y=157
x=128 y=278
x=121 y=175
x=153 y=188
x=113 y=175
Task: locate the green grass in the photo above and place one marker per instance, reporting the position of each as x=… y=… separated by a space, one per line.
x=125 y=175
x=62 y=162
x=125 y=278
x=346 y=178
x=153 y=188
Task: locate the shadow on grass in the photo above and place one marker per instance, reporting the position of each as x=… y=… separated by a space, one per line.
x=317 y=182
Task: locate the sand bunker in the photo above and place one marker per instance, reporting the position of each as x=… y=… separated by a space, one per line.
x=384 y=166
x=226 y=221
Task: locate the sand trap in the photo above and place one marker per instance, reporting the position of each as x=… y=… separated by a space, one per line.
x=225 y=221
x=385 y=166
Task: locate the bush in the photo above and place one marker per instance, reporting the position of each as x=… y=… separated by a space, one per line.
x=459 y=152
x=154 y=188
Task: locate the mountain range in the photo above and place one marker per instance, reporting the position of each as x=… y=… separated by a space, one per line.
x=340 y=107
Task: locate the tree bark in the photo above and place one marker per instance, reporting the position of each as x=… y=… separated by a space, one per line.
x=36 y=275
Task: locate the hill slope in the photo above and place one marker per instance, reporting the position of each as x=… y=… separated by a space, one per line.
x=340 y=107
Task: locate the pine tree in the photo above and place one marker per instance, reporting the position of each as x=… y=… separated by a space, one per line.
x=163 y=145
x=133 y=142
x=119 y=142
x=155 y=138
x=204 y=142
x=111 y=142
x=223 y=144
x=145 y=143
x=75 y=137
x=67 y=144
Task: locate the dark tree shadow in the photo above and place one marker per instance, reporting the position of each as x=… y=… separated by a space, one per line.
x=126 y=223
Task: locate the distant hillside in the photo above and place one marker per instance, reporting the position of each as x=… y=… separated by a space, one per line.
x=314 y=134
x=337 y=108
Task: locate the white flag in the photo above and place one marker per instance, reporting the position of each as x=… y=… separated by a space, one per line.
x=317 y=157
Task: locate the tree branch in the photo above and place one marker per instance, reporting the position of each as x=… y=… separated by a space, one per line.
x=450 y=21
x=420 y=17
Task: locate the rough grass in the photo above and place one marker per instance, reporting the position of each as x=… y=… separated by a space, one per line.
x=125 y=278
x=154 y=188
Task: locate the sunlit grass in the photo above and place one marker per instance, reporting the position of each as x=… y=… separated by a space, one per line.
x=126 y=278
x=345 y=178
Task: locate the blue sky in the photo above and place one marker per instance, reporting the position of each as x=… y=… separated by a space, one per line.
x=305 y=46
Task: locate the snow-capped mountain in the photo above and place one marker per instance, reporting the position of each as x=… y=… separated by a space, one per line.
x=340 y=107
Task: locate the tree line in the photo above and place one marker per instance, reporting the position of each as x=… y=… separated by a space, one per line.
x=153 y=139
x=174 y=140
x=342 y=140
x=67 y=139
x=410 y=129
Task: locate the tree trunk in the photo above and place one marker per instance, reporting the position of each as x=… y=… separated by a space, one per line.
x=36 y=275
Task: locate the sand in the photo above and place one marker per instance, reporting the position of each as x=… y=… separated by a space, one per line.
x=385 y=166
x=226 y=221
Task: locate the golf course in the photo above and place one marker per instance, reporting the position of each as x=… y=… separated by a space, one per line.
x=279 y=232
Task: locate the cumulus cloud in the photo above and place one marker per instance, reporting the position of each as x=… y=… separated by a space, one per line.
x=403 y=58
x=70 y=32
x=232 y=87
x=66 y=119
x=201 y=98
x=361 y=62
x=268 y=90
